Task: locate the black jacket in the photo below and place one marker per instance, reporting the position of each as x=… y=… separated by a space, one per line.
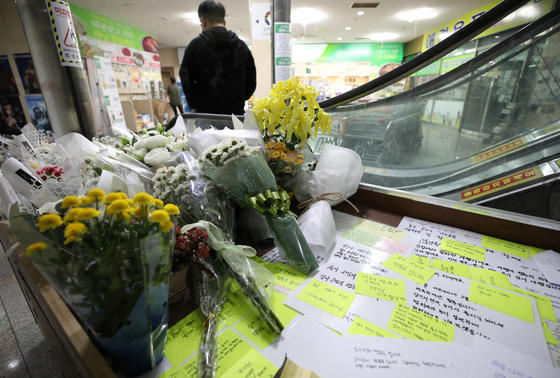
x=218 y=72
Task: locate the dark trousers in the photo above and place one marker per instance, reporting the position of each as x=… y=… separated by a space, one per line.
x=177 y=109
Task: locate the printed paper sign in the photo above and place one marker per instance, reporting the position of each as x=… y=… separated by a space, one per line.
x=64 y=33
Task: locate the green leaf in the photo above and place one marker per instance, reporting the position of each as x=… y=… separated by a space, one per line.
x=134 y=140
x=124 y=140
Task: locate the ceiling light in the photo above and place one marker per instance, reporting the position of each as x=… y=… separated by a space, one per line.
x=339 y=39
x=382 y=36
x=361 y=13
x=192 y=17
x=307 y=16
x=418 y=14
x=294 y=39
x=348 y=28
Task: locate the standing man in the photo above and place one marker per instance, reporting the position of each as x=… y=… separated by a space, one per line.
x=218 y=71
x=174 y=93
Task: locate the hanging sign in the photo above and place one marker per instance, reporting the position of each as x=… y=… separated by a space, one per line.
x=261 y=21
x=110 y=91
x=64 y=33
x=282 y=51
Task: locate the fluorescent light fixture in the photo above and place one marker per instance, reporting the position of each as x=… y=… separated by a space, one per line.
x=192 y=17
x=339 y=39
x=360 y=13
x=307 y=16
x=382 y=36
x=418 y=14
x=348 y=28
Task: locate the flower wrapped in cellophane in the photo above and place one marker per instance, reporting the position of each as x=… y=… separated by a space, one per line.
x=215 y=263
x=287 y=118
x=109 y=257
x=242 y=172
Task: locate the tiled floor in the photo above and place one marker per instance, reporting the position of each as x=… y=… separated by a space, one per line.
x=23 y=350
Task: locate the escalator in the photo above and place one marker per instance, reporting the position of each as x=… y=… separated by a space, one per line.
x=487 y=132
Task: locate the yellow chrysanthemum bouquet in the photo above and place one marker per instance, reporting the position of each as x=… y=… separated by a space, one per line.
x=288 y=117
x=109 y=257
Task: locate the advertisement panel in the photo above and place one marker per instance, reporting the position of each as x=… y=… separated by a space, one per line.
x=38 y=112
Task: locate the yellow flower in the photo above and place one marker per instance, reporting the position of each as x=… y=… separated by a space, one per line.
x=111 y=197
x=130 y=201
x=123 y=195
x=117 y=206
x=124 y=215
x=85 y=200
x=279 y=146
x=166 y=226
x=288 y=169
x=71 y=214
x=171 y=209
x=268 y=145
x=70 y=201
x=72 y=239
x=275 y=154
x=35 y=247
x=158 y=202
x=159 y=216
x=75 y=229
x=143 y=199
x=34 y=165
x=140 y=211
x=86 y=213
x=49 y=221
x=96 y=194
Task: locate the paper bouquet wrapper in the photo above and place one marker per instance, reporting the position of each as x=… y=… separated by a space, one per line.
x=338 y=170
x=319 y=229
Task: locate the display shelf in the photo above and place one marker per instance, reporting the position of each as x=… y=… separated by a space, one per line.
x=132 y=103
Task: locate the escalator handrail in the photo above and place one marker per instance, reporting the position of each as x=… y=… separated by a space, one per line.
x=205 y=116
x=438 y=51
x=528 y=32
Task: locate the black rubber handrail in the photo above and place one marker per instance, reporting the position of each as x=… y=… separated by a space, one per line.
x=443 y=48
x=206 y=116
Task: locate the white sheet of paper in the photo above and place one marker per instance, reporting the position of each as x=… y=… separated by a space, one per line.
x=494 y=360
x=549 y=264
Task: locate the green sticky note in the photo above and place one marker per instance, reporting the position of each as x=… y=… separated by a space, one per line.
x=253 y=364
x=363 y=327
x=420 y=260
x=326 y=297
x=544 y=304
x=548 y=334
x=284 y=313
x=463 y=249
x=279 y=296
x=190 y=368
x=505 y=246
x=416 y=325
x=338 y=333
x=360 y=236
x=451 y=267
x=253 y=327
x=390 y=289
x=235 y=306
x=183 y=338
x=490 y=277
x=231 y=349
x=175 y=372
x=534 y=250
x=286 y=276
x=409 y=269
x=501 y=300
x=260 y=261
x=380 y=230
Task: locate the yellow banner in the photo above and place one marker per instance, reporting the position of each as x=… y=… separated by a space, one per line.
x=528 y=13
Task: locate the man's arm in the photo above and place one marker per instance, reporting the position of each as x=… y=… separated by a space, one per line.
x=251 y=81
x=188 y=75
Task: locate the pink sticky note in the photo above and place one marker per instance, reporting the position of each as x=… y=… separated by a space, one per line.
x=390 y=246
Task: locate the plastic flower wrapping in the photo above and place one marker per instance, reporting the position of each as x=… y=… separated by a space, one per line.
x=109 y=257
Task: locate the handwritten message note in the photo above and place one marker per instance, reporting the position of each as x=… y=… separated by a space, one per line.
x=463 y=249
x=420 y=260
x=183 y=338
x=254 y=328
x=452 y=268
x=235 y=306
x=260 y=261
x=391 y=246
x=550 y=339
x=363 y=327
x=390 y=289
x=416 y=325
x=286 y=276
x=490 y=277
x=505 y=246
x=253 y=364
x=544 y=304
x=501 y=300
x=534 y=250
x=380 y=230
x=360 y=236
x=409 y=269
x=326 y=297
x=173 y=372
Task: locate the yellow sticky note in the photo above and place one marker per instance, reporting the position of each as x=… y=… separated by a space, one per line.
x=490 y=277
x=505 y=246
x=390 y=289
x=183 y=338
x=286 y=276
x=452 y=268
x=380 y=230
x=501 y=300
x=232 y=348
x=260 y=261
x=544 y=304
x=416 y=325
x=326 y=297
x=534 y=250
x=279 y=296
x=190 y=368
x=253 y=364
x=548 y=334
x=284 y=313
x=176 y=372
x=363 y=327
x=409 y=269
x=420 y=260
x=235 y=306
x=463 y=249
x=253 y=327
x=360 y=236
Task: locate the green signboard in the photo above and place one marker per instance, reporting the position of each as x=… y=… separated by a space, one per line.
x=101 y=28
x=449 y=64
x=430 y=69
x=376 y=53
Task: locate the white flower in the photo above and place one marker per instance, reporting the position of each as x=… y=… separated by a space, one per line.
x=180 y=145
x=157 y=156
x=152 y=142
